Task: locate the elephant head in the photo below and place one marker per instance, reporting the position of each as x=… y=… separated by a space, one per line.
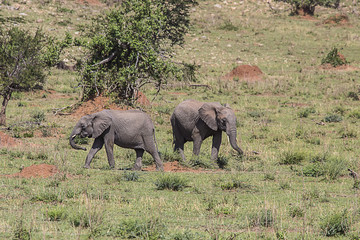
x=92 y=125
x=219 y=117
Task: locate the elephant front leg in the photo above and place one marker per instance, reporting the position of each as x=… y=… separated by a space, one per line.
x=97 y=145
x=197 y=144
x=109 y=146
x=138 y=163
x=216 y=142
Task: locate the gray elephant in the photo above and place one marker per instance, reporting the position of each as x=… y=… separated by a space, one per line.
x=195 y=121
x=128 y=129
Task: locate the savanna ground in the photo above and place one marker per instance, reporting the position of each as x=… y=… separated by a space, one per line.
x=298 y=125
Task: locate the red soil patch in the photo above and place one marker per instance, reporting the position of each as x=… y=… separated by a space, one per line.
x=338 y=19
x=245 y=73
x=100 y=103
x=142 y=99
x=95 y=105
x=176 y=167
x=7 y=141
x=36 y=171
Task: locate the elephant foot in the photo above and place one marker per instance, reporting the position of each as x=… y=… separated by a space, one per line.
x=86 y=166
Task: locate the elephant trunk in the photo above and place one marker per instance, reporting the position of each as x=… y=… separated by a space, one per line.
x=72 y=141
x=232 y=139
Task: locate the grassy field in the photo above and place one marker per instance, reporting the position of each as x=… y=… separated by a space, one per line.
x=302 y=120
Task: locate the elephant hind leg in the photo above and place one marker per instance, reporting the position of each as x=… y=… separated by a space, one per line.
x=150 y=147
x=179 y=142
x=138 y=163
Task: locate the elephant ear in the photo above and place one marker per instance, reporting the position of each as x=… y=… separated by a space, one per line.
x=101 y=122
x=208 y=113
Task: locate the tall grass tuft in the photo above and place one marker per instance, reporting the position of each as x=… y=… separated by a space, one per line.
x=335 y=224
x=171 y=182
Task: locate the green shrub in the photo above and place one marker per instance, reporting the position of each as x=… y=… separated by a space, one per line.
x=264 y=218
x=333 y=118
x=290 y=157
x=234 y=184
x=56 y=214
x=228 y=26
x=38 y=116
x=306 y=112
x=20 y=232
x=269 y=177
x=333 y=168
x=335 y=224
x=46 y=197
x=201 y=161
x=308 y=6
x=133 y=229
x=296 y=211
x=131 y=176
x=86 y=218
x=313 y=170
x=171 y=182
x=355 y=114
x=334 y=58
x=222 y=162
x=353 y=95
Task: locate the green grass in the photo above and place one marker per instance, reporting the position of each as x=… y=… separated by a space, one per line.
x=297 y=127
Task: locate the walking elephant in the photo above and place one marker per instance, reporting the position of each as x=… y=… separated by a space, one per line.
x=195 y=121
x=128 y=129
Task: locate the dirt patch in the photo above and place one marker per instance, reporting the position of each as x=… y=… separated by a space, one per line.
x=142 y=99
x=8 y=141
x=338 y=19
x=100 y=103
x=95 y=105
x=345 y=68
x=36 y=171
x=177 y=167
x=245 y=73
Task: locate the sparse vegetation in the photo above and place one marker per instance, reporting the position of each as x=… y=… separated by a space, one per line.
x=291 y=179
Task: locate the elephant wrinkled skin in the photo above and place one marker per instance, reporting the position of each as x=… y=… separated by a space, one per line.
x=195 y=121
x=128 y=129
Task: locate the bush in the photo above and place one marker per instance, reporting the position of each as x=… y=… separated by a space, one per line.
x=306 y=112
x=333 y=118
x=334 y=59
x=222 y=162
x=313 y=170
x=38 y=116
x=308 y=6
x=288 y=158
x=171 y=182
x=335 y=224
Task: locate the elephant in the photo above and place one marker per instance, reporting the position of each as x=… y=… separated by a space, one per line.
x=195 y=121
x=128 y=129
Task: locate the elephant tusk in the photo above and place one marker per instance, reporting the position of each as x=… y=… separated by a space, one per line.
x=73 y=136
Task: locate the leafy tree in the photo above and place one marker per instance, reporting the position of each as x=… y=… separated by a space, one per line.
x=307 y=7
x=132 y=45
x=21 y=64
